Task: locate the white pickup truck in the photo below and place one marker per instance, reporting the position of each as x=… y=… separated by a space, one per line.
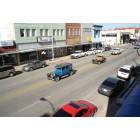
x=78 y=54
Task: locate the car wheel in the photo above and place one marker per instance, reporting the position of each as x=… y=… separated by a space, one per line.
x=71 y=73
x=57 y=79
x=11 y=74
x=43 y=66
x=31 y=69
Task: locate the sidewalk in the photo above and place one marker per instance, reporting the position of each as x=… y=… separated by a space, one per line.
x=60 y=59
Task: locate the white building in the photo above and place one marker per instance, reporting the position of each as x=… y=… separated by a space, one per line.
x=120 y=36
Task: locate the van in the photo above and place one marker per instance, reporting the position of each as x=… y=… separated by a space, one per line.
x=6 y=71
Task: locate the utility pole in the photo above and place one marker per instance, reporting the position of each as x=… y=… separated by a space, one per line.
x=52 y=49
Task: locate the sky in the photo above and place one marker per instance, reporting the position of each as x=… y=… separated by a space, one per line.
x=118 y=25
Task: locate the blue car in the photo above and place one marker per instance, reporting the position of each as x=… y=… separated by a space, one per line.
x=61 y=70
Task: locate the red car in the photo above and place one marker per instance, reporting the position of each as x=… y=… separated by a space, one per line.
x=79 y=108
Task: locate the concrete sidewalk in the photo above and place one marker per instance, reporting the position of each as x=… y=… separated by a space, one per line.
x=60 y=59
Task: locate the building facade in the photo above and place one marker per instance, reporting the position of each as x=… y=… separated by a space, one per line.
x=97 y=35
x=120 y=36
x=86 y=35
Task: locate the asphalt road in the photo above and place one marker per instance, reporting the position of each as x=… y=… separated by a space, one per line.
x=19 y=95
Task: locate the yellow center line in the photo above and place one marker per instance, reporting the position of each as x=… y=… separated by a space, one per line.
x=24 y=90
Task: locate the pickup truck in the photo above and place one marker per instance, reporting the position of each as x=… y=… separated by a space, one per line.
x=99 y=59
x=78 y=54
x=61 y=70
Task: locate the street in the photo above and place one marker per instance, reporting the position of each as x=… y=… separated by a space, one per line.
x=20 y=95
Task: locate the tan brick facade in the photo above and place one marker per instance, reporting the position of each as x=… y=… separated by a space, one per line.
x=73 y=33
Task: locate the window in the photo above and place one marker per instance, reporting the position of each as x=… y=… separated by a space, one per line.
x=27 y=32
x=69 y=31
x=46 y=32
x=33 y=32
x=62 y=32
x=75 y=31
x=78 y=32
x=22 y=33
x=57 y=32
x=54 y=32
x=81 y=113
x=41 y=32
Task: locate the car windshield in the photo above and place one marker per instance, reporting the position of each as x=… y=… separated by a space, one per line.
x=62 y=113
x=108 y=84
x=124 y=70
x=77 y=52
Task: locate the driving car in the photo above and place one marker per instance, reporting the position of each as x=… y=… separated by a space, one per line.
x=79 y=108
x=99 y=59
x=116 y=51
x=125 y=72
x=78 y=54
x=111 y=86
x=62 y=70
x=34 y=65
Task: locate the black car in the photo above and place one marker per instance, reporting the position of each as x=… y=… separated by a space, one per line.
x=111 y=86
x=34 y=65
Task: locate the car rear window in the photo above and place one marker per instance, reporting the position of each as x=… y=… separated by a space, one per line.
x=62 y=113
x=108 y=84
x=124 y=70
x=74 y=105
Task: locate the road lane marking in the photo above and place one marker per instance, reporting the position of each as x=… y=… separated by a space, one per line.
x=25 y=90
x=27 y=107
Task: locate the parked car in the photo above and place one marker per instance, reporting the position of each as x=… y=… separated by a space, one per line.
x=125 y=72
x=100 y=50
x=79 y=108
x=61 y=70
x=90 y=52
x=107 y=48
x=7 y=70
x=111 y=86
x=78 y=54
x=116 y=51
x=34 y=65
x=99 y=59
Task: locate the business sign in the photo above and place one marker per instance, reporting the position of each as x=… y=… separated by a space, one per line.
x=47 y=39
x=6 y=43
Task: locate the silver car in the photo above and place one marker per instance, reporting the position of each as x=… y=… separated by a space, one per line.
x=6 y=71
x=34 y=65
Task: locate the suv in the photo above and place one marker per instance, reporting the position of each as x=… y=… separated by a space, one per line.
x=61 y=70
x=7 y=70
x=34 y=65
x=125 y=72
